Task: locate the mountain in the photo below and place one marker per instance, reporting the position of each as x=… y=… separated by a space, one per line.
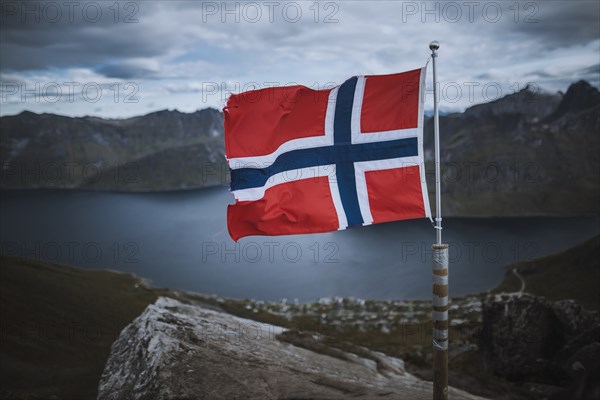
x=528 y=153
x=163 y=150
x=580 y=96
x=572 y=274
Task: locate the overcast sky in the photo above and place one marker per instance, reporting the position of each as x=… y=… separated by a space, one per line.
x=98 y=58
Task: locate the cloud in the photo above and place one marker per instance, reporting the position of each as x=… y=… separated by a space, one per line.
x=172 y=48
x=130 y=69
x=560 y=24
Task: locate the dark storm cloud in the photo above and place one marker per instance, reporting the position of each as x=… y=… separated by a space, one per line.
x=124 y=71
x=591 y=70
x=560 y=24
x=152 y=29
x=542 y=74
x=74 y=48
x=172 y=49
x=565 y=78
x=587 y=73
x=37 y=40
x=590 y=74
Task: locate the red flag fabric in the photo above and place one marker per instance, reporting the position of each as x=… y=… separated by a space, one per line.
x=311 y=161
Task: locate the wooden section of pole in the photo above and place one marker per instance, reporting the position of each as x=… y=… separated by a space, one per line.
x=440 y=321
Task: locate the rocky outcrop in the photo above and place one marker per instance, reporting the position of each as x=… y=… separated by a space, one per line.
x=182 y=351
x=529 y=339
x=580 y=96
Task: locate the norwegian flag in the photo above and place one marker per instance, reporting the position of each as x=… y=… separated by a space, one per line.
x=310 y=161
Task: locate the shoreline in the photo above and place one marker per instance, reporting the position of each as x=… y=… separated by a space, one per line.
x=397 y=328
x=190 y=190
x=292 y=301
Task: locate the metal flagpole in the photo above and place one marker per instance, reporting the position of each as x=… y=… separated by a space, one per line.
x=440 y=263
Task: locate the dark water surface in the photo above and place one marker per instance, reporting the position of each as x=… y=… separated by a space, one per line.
x=179 y=240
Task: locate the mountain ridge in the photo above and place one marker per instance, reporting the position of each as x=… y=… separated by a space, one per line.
x=499 y=158
x=498 y=161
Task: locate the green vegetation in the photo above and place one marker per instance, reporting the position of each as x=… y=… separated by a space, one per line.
x=573 y=274
x=58 y=324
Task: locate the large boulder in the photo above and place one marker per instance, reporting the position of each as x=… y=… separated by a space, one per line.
x=181 y=351
x=530 y=339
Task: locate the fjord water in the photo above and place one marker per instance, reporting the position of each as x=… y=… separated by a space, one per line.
x=179 y=240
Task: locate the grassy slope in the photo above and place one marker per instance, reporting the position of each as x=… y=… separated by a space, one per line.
x=573 y=274
x=58 y=324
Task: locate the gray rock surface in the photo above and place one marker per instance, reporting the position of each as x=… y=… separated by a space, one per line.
x=181 y=351
x=527 y=338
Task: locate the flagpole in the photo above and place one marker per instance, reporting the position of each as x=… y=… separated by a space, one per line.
x=440 y=262
x=434 y=46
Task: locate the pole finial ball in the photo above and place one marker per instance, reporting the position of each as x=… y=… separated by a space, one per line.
x=433 y=46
